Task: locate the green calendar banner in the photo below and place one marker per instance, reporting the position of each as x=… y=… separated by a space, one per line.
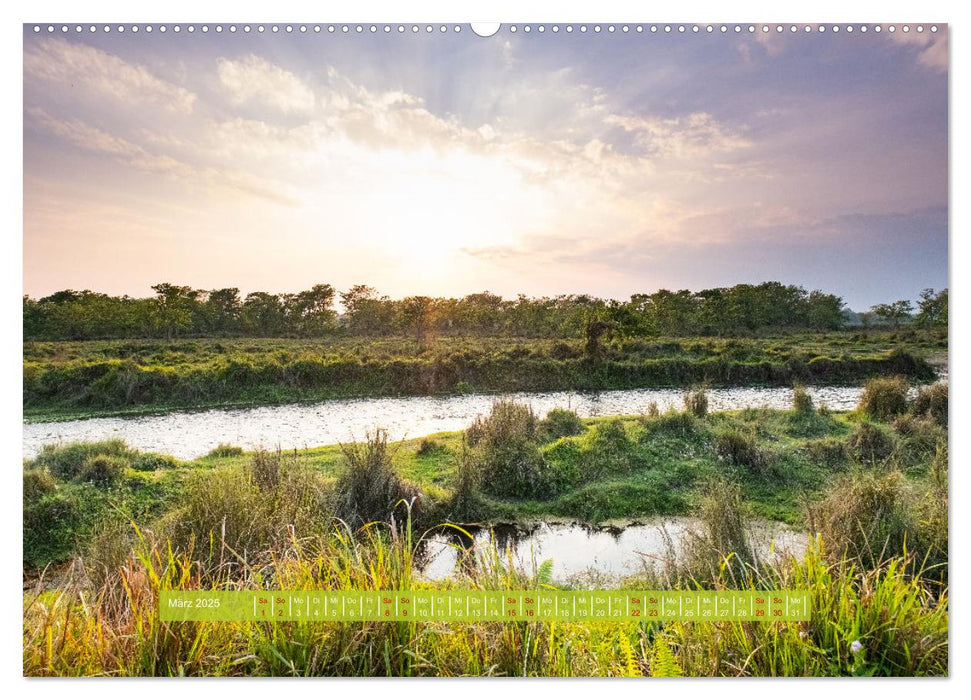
x=482 y=606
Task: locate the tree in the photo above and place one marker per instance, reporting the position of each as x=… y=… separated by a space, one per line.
x=895 y=312
x=417 y=314
x=222 y=309
x=174 y=306
x=309 y=312
x=824 y=311
x=932 y=308
x=365 y=312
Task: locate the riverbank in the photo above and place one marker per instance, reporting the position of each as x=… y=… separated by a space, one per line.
x=591 y=470
x=872 y=482
x=66 y=380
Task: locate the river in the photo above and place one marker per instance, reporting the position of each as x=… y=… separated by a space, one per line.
x=189 y=434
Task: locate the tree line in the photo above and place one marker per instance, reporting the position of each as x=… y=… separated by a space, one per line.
x=181 y=311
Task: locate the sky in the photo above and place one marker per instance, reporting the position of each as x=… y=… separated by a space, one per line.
x=448 y=163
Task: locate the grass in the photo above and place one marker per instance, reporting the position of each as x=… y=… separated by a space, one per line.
x=877 y=621
x=97 y=552
x=77 y=379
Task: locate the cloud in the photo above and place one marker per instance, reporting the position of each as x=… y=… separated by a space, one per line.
x=254 y=80
x=932 y=51
x=125 y=152
x=692 y=136
x=85 y=68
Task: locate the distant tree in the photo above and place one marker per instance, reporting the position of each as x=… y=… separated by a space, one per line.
x=309 y=313
x=263 y=314
x=365 y=312
x=417 y=313
x=174 y=307
x=222 y=309
x=824 y=311
x=932 y=308
x=894 y=313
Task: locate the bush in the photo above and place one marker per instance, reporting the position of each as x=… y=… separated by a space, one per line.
x=507 y=420
x=740 y=449
x=224 y=516
x=369 y=488
x=652 y=410
x=869 y=444
x=51 y=528
x=884 y=398
x=151 y=461
x=37 y=484
x=103 y=470
x=560 y=422
x=863 y=516
x=829 y=452
x=931 y=402
x=609 y=448
x=506 y=452
x=696 y=403
x=66 y=462
x=224 y=450
x=802 y=402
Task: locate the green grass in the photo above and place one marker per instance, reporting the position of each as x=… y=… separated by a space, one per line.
x=78 y=379
x=618 y=469
x=267 y=520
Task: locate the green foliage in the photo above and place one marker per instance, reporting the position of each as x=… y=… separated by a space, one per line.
x=870 y=444
x=224 y=450
x=151 y=461
x=802 y=402
x=884 y=398
x=369 y=487
x=866 y=516
x=429 y=447
x=696 y=403
x=663 y=662
x=507 y=453
x=103 y=470
x=38 y=483
x=740 y=449
x=560 y=422
x=51 y=527
x=829 y=452
x=931 y=401
x=67 y=461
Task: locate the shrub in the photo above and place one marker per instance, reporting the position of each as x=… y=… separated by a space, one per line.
x=802 y=402
x=224 y=516
x=369 y=488
x=51 y=528
x=696 y=403
x=151 y=461
x=869 y=444
x=722 y=547
x=863 y=516
x=67 y=461
x=507 y=454
x=931 y=402
x=830 y=452
x=884 y=398
x=609 y=447
x=224 y=450
x=465 y=501
x=652 y=410
x=740 y=449
x=560 y=422
x=37 y=484
x=103 y=470
x=507 y=420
